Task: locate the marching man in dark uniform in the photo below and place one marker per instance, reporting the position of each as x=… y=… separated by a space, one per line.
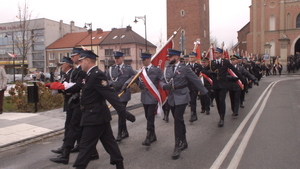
x=207 y=82
x=195 y=67
x=96 y=116
x=149 y=82
x=233 y=86
x=119 y=76
x=74 y=87
x=175 y=80
x=218 y=70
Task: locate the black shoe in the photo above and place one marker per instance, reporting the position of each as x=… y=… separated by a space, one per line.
x=242 y=105
x=153 y=137
x=221 y=123
x=184 y=145
x=58 y=151
x=147 y=141
x=166 y=118
x=119 y=136
x=211 y=105
x=63 y=158
x=125 y=134
x=193 y=117
x=94 y=156
x=207 y=112
x=75 y=149
x=176 y=153
x=119 y=165
x=235 y=114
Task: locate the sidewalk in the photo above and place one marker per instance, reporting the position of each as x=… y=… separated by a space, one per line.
x=18 y=128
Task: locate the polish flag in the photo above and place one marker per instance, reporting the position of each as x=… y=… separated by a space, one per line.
x=84 y=48
x=210 y=53
x=12 y=55
x=197 y=49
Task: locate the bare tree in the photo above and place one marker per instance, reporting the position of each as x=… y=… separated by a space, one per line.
x=23 y=37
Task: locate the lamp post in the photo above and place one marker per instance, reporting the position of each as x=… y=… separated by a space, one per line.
x=90 y=25
x=144 y=19
x=13 y=52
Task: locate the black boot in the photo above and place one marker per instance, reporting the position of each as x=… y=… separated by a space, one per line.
x=242 y=105
x=58 y=150
x=75 y=149
x=166 y=117
x=153 y=136
x=177 y=149
x=193 y=117
x=183 y=144
x=147 y=141
x=125 y=133
x=221 y=123
x=63 y=158
x=119 y=136
x=119 y=165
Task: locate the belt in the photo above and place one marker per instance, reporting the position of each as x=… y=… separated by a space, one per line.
x=180 y=87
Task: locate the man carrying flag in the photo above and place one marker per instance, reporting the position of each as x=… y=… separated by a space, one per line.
x=150 y=96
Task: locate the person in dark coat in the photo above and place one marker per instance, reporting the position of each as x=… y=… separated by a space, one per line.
x=218 y=72
x=175 y=80
x=96 y=115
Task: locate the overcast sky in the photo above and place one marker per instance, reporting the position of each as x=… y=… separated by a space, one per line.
x=226 y=16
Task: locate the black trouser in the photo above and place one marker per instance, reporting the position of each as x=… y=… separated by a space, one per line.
x=235 y=100
x=89 y=140
x=75 y=130
x=122 y=120
x=193 y=102
x=150 y=110
x=220 y=96
x=205 y=101
x=69 y=114
x=179 y=126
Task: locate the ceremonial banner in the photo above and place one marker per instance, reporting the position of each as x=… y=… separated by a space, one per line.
x=239 y=82
x=12 y=55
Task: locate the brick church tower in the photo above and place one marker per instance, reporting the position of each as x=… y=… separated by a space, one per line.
x=193 y=18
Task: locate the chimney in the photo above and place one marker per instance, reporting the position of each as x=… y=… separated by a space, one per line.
x=99 y=31
x=61 y=29
x=72 y=24
x=128 y=28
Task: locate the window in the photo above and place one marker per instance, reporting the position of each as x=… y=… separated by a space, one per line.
x=38 y=56
x=115 y=37
x=60 y=56
x=126 y=51
x=68 y=55
x=38 y=47
x=272 y=21
x=182 y=13
x=38 y=38
x=298 y=21
x=38 y=64
x=51 y=56
x=288 y=21
x=38 y=32
x=108 y=52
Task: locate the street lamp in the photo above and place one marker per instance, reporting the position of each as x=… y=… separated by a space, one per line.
x=144 y=19
x=13 y=52
x=89 y=25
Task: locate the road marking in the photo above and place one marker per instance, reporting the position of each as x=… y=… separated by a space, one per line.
x=218 y=162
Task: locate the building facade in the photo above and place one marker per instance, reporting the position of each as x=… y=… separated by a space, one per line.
x=192 y=17
x=33 y=36
x=103 y=43
x=274 y=30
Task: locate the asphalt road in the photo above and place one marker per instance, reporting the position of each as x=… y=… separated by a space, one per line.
x=265 y=135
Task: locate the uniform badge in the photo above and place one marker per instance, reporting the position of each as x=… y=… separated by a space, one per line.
x=104 y=83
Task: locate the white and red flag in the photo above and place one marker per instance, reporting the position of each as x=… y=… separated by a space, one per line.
x=197 y=50
x=12 y=55
x=210 y=54
x=239 y=82
x=84 y=48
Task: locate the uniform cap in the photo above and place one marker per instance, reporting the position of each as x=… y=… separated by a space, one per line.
x=87 y=54
x=66 y=60
x=146 y=55
x=234 y=57
x=193 y=54
x=118 y=54
x=172 y=52
x=186 y=56
x=76 y=51
x=219 y=50
x=204 y=60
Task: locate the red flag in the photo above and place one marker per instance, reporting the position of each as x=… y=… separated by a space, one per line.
x=159 y=60
x=12 y=55
x=225 y=54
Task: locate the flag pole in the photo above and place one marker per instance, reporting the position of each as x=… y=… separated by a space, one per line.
x=152 y=58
